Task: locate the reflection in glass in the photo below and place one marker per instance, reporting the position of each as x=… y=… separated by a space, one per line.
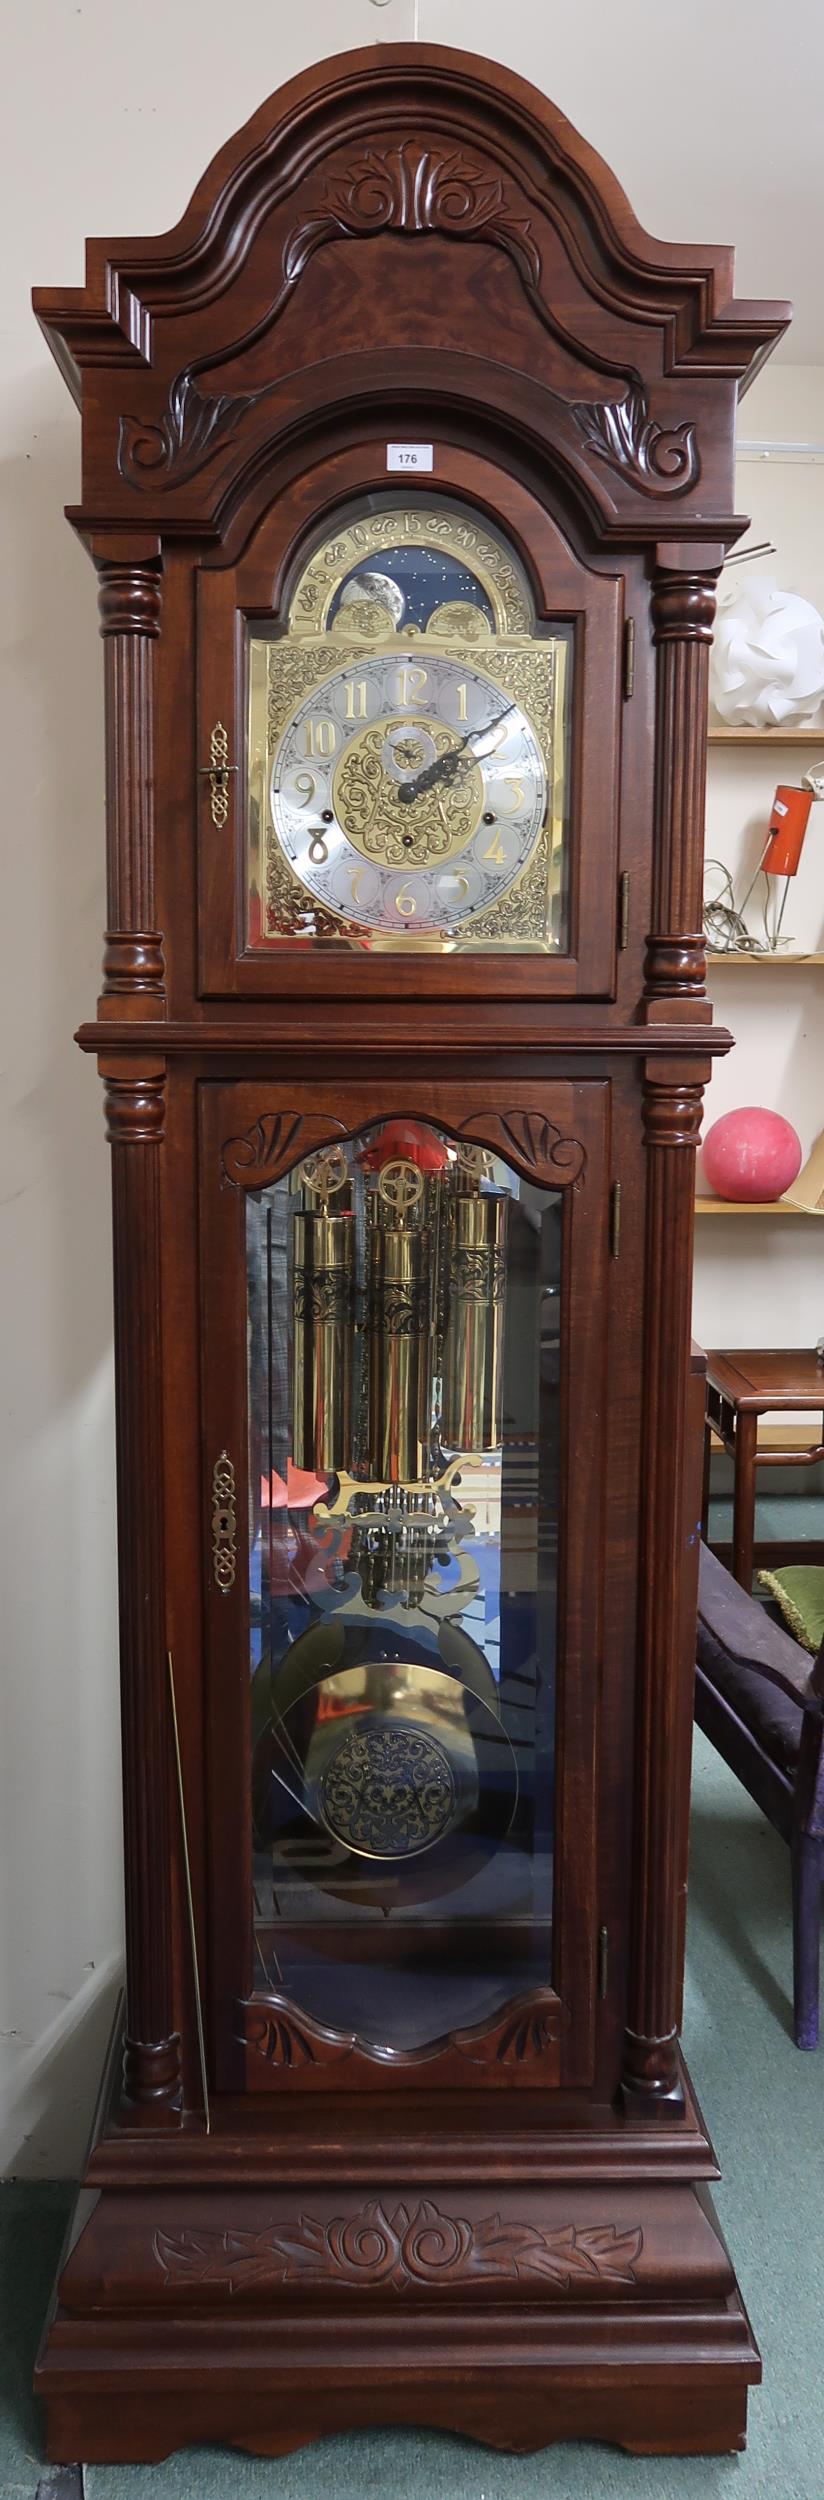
x=404 y=1439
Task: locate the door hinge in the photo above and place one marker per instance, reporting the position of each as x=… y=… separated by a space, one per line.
x=603 y=1960
x=615 y=1220
x=623 y=908
x=629 y=658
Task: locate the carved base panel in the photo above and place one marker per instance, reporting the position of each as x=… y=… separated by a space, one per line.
x=517 y=2315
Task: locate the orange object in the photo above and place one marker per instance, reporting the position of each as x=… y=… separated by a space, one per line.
x=300 y=1492
x=787 y=827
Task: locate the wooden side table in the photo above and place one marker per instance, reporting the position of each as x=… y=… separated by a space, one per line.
x=740 y=1388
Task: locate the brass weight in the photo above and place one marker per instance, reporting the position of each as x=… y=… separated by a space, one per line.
x=323 y=1307
x=474 y=1340
x=398 y=1353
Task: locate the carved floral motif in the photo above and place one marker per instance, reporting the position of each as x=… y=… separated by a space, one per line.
x=406 y=190
x=283 y=2041
x=413 y=2247
x=401 y=190
x=660 y=460
x=530 y=1141
x=281 y=1138
x=528 y=2031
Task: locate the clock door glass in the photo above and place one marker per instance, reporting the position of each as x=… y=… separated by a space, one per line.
x=404 y=1299
x=407 y=768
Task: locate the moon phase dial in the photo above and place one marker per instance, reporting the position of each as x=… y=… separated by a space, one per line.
x=408 y=793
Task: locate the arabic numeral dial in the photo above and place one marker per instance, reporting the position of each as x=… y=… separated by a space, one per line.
x=408 y=793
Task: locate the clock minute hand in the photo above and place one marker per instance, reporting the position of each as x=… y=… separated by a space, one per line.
x=478 y=737
x=446 y=766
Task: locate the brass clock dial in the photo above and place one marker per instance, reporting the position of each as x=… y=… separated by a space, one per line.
x=408 y=739
x=408 y=790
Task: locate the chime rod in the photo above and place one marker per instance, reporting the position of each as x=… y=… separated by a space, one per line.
x=745 y=555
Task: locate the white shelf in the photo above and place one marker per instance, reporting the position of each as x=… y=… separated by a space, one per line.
x=721 y=737
x=753 y=1206
x=736 y=958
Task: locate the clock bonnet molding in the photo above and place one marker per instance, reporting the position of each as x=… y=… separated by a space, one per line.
x=407 y=475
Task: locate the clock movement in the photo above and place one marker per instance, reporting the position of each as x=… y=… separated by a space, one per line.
x=407 y=476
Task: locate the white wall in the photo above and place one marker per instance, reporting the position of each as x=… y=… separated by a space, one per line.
x=111 y=118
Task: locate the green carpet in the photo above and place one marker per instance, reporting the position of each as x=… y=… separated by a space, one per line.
x=764 y=2100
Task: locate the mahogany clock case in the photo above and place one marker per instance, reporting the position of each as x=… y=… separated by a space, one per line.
x=354 y=1176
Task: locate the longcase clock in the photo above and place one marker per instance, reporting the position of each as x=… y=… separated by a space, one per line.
x=407 y=475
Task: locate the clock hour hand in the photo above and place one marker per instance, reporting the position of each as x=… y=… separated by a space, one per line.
x=446 y=766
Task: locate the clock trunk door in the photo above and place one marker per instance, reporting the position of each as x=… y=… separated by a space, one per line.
x=405 y=1334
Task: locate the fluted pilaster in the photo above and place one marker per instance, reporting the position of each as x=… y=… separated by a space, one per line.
x=672 y=1120
x=135 y=1117
x=683 y=611
x=130 y=606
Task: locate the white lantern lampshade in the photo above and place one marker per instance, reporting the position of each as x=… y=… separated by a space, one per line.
x=767 y=662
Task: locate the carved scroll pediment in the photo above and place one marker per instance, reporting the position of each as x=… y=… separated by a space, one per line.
x=404 y=142
x=406 y=190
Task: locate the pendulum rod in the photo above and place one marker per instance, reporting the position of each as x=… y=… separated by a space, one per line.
x=187 y=1871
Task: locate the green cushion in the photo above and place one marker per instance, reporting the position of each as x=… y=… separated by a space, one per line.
x=799 y=1591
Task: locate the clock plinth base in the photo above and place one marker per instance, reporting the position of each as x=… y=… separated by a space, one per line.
x=505 y=2412
x=223 y=2290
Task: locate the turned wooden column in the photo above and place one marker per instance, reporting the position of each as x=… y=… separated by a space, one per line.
x=135 y=1115
x=683 y=612
x=133 y=968
x=672 y=1119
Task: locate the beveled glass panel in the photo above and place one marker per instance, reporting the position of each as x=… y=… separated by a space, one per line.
x=404 y=1300
x=408 y=769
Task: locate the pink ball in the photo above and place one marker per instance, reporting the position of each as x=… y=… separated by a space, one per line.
x=751 y=1154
